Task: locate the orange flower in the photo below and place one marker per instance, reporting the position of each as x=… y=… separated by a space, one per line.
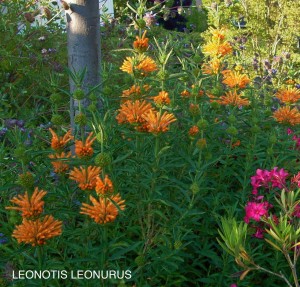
x=235 y=144
x=58 y=143
x=105 y=186
x=224 y=49
x=162 y=98
x=200 y=93
x=141 y=44
x=212 y=67
x=132 y=112
x=287 y=115
x=233 y=99
x=185 y=93
x=194 y=130
x=128 y=65
x=36 y=232
x=29 y=207
x=217 y=49
x=234 y=79
x=147 y=65
x=134 y=92
x=218 y=33
x=291 y=95
x=290 y=82
x=157 y=122
x=146 y=87
x=212 y=98
x=143 y=65
x=103 y=210
x=194 y=109
x=59 y=164
x=85 y=149
x=85 y=177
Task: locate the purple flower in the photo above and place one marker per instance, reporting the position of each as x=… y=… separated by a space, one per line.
x=3 y=239
x=3 y=131
x=267 y=64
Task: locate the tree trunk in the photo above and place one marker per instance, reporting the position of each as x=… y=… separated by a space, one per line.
x=199 y=4
x=83 y=30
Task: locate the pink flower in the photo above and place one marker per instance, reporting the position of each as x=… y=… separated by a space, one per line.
x=296 y=212
x=296 y=179
x=233 y=285
x=264 y=178
x=278 y=177
x=255 y=210
x=259 y=233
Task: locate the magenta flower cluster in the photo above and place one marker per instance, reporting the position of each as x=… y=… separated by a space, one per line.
x=255 y=210
x=258 y=208
x=268 y=179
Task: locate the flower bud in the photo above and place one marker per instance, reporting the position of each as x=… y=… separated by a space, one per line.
x=78 y=94
x=255 y=129
x=215 y=105
x=93 y=97
x=103 y=159
x=162 y=75
x=232 y=130
x=194 y=188
x=92 y=107
x=56 y=98
x=177 y=244
x=26 y=180
x=20 y=152
x=80 y=119
x=194 y=109
x=140 y=260
x=232 y=119
x=57 y=119
x=202 y=124
x=201 y=144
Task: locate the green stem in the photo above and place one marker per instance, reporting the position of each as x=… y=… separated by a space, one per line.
x=280 y=275
x=40 y=261
x=156 y=150
x=292 y=266
x=103 y=256
x=40 y=256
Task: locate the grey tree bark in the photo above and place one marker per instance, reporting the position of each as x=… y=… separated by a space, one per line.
x=199 y=4
x=83 y=33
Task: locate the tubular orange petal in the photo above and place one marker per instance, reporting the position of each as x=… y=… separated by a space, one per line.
x=29 y=207
x=36 y=232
